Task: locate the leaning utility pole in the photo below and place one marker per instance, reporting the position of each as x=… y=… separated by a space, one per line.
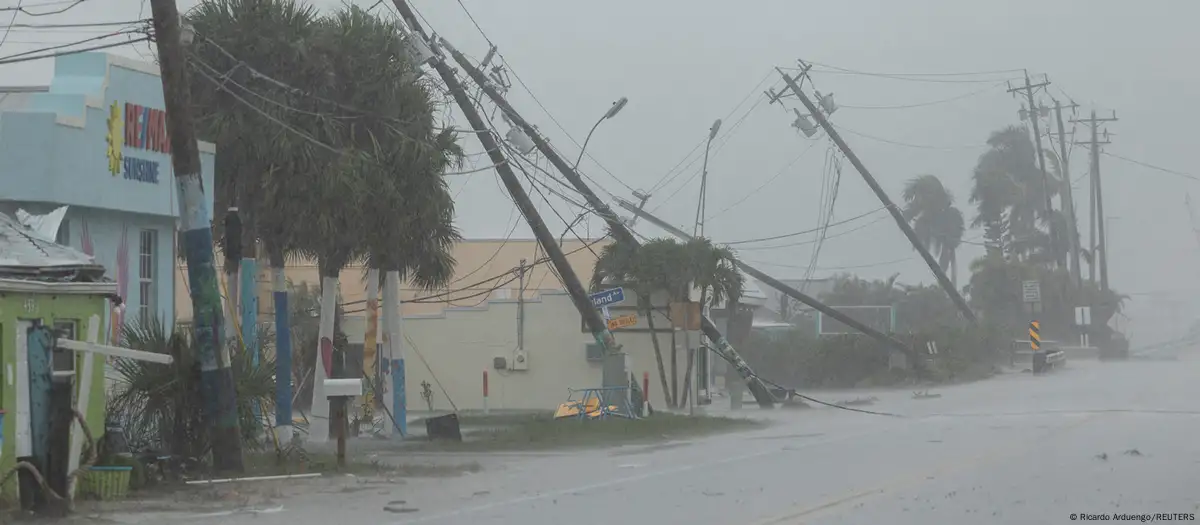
x=886 y=340
x=883 y=197
x=1068 y=197
x=578 y=294
x=1100 y=250
x=216 y=376
x=1041 y=158
x=618 y=228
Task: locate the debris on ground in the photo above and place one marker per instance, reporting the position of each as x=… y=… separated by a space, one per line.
x=399 y=506
x=924 y=394
x=859 y=401
x=1133 y=452
x=1102 y=456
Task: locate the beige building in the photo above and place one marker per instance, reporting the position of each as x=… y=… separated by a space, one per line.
x=452 y=338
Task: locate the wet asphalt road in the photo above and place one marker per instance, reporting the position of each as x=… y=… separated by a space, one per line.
x=1095 y=438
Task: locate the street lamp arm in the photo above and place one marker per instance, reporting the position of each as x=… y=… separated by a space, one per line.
x=583 y=148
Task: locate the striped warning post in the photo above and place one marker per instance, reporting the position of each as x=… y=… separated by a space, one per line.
x=1035 y=336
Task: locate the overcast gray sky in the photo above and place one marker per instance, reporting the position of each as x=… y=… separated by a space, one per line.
x=684 y=63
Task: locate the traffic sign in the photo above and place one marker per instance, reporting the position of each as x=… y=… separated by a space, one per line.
x=623 y=321
x=607 y=297
x=1031 y=291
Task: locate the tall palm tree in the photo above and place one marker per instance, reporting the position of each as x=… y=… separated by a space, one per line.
x=939 y=225
x=408 y=220
x=638 y=267
x=1010 y=193
x=712 y=269
x=258 y=160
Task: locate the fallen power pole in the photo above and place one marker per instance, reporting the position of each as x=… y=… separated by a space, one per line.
x=619 y=230
x=591 y=316
x=881 y=337
x=883 y=197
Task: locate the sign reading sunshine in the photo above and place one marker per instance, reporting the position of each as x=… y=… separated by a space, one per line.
x=139 y=128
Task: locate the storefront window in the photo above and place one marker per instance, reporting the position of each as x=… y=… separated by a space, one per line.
x=147 y=289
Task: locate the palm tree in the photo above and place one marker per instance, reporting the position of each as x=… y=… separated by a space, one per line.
x=636 y=266
x=408 y=220
x=259 y=160
x=712 y=269
x=1010 y=193
x=939 y=225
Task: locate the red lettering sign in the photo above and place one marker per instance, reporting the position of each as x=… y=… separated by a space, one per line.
x=146 y=128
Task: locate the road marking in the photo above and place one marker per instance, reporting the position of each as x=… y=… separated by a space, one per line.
x=990 y=456
x=640 y=477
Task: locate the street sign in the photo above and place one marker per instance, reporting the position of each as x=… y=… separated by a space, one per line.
x=1083 y=315
x=1031 y=291
x=623 y=321
x=1035 y=336
x=607 y=297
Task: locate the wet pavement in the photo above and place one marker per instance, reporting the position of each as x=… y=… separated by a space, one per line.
x=1094 y=438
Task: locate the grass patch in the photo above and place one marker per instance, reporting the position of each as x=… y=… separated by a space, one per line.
x=541 y=431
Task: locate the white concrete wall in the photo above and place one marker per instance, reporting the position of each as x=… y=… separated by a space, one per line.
x=460 y=344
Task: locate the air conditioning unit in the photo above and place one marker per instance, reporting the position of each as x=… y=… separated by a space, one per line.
x=594 y=351
x=520 y=360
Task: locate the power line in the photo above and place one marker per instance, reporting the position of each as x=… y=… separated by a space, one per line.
x=802 y=232
x=802 y=243
x=913 y=77
x=753 y=91
x=1150 y=166
x=25 y=9
x=28 y=57
x=725 y=140
x=834 y=268
x=8 y=30
x=906 y=144
x=764 y=184
x=929 y=103
x=67 y=26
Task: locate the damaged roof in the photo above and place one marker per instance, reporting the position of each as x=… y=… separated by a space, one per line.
x=26 y=255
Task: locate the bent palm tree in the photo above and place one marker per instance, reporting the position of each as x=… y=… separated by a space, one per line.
x=939 y=225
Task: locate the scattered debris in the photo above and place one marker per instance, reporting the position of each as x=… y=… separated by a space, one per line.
x=1133 y=452
x=859 y=401
x=399 y=506
x=924 y=394
x=1102 y=456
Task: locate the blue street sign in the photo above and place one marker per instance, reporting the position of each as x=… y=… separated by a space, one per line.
x=607 y=297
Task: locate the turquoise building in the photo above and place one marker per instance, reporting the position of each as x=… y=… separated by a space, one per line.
x=95 y=141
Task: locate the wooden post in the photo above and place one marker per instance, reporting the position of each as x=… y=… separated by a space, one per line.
x=83 y=380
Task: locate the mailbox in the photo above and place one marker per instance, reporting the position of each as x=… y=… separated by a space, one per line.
x=349 y=387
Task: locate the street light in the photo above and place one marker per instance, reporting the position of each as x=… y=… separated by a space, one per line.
x=698 y=230
x=612 y=112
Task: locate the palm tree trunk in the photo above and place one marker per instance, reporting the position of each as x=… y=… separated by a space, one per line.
x=370 y=352
x=283 y=350
x=954 y=268
x=396 y=399
x=318 y=430
x=648 y=309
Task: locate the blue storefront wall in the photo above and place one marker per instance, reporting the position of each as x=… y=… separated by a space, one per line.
x=55 y=151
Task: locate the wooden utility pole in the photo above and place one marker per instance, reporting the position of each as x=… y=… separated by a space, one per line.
x=1099 y=241
x=819 y=116
x=220 y=401
x=616 y=226
x=1028 y=89
x=1068 y=197
x=579 y=296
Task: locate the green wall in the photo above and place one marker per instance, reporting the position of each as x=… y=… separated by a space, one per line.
x=48 y=308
